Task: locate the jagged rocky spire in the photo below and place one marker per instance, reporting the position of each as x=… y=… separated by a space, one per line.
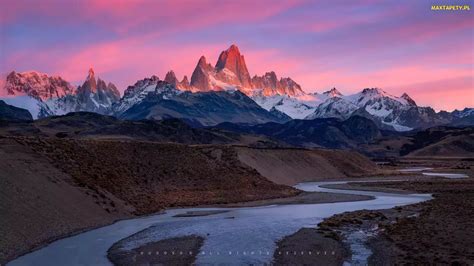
x=200 y=76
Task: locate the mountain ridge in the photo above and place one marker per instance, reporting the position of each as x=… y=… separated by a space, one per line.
x=45 y=95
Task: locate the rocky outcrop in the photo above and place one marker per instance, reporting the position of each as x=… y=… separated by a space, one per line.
x=409 y=100
x=171 y=79
x=332 y=93
x=44 y=95
x=231 y=68
x=200 y=77
x=95 y=96
x=290 y=87
x=268 y=82
x=270 y=85
x=185 y=83
x=231 y=72
x=37 y=85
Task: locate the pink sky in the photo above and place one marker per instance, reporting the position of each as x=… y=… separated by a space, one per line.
x=400 y=46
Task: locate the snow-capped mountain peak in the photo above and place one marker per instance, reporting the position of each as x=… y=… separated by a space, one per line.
x=95 y=95
x=45 y=95
x=372 y=94
x=269 y=85
x=143 y=88
x=332 y=93
x=180 y=85
x=334 y=106
x=37 y=85
x=463 y=113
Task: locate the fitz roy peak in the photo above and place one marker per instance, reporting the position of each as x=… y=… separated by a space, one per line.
x=231 y=73
x=231 y=68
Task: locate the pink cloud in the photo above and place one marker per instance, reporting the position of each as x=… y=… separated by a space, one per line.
x=385 y=78
x=426 y=29
x=444 y=94
x=125 y=16
x=338 y=17
x=260 y=61
x=135 y=58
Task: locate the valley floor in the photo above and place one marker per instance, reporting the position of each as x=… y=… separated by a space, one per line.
x=432 y=232
x=438 y=232
x=53 y=188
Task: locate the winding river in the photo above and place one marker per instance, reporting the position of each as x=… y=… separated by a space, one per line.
x=239 y=236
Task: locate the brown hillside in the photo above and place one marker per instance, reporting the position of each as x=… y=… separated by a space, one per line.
x=151 y=176
x=39 y=203
x=450 y=146
x=292 y=166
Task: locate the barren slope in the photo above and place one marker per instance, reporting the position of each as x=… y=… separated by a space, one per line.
x=291 y=166
x=450 y=146
x=38 y=203
x=151 y=176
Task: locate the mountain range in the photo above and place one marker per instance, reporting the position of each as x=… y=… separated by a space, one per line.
x=44 y=95
x=225 y=92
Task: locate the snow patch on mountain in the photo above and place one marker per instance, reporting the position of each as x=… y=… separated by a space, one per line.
x=333 y=107
x=142 y=89
x=372 y=95
x=463 y=113
x=297 y=107
x=395 y=125
x=381 y=106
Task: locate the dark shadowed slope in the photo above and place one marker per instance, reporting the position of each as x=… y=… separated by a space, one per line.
x=82 y=125
x=208 y=108
x=441 y=142
x=12 y=113
x=329 y=132
x=292 y=166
